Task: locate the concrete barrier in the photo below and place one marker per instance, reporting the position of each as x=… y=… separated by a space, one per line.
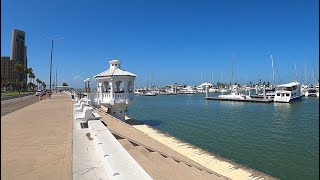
x=118 y=163
x=80 y=108
x=85 y=115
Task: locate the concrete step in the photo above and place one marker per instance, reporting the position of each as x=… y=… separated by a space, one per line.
x=192 y=172
x=182 y=169
x=171 y=170
x=160 y=167
x=150 y=167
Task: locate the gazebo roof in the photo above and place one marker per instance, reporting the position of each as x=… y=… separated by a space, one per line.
x=114 y=72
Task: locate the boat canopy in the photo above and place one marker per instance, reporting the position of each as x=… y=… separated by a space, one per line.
x=288 y=84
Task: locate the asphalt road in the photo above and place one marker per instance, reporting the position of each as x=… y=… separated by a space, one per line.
x=16 y=96
x=11 y=105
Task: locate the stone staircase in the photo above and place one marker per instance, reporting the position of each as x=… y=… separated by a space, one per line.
x=160 y=166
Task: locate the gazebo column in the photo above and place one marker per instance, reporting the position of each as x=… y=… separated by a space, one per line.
x=100 y=90
x=112 y=89
x=126 y=89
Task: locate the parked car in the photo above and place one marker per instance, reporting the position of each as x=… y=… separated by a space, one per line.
x=39 y=93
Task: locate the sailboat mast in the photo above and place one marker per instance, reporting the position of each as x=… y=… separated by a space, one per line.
x=232 y=69
x=295 y=72
x=272 y=68
x=149 y=82
x=305 y=74
x=313 y=76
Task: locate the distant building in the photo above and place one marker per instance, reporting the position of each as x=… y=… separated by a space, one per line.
x=7 y=70
x=18 y=48
x=18 y=55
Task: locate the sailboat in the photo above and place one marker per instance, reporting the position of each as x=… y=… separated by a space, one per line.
x=234 y=94
x=145 y=91
x=314 y=90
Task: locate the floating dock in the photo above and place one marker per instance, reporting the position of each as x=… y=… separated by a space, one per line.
x=258 y=100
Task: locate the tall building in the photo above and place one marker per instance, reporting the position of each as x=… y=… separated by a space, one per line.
x=7 y=70
x=18 y=55
x=18 y=48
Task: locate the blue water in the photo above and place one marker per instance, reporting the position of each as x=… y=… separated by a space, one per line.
x=279 y=139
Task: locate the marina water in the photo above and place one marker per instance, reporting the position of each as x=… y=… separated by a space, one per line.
x=279 y=139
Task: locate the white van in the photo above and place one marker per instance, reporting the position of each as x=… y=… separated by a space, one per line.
x=39 y=93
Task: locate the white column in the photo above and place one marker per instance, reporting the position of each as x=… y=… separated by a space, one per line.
x=111 y=83
x=125 y=84
x=207 y=91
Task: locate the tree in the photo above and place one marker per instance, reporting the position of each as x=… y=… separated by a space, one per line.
x=30 y=73
x=23 y=71
x=4 y=81
x=38 y=81
x=32 y=77
x=19 y=68
x=43 y=85
x=30 y=85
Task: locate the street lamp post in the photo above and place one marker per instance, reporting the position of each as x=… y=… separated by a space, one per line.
x=51 y=59
x=85 y=85
x=88 y=85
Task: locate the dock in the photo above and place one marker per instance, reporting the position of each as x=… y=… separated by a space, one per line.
x=257 y=100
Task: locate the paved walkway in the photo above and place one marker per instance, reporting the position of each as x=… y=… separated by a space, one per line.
x=36 y=141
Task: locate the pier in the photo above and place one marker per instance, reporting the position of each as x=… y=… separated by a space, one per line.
x=257 y=100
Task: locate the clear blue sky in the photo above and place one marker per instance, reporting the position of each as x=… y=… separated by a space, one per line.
x=173 y=41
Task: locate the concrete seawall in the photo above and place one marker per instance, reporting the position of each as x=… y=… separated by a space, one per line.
x=207 y=159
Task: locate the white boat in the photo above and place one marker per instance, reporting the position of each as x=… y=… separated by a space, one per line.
x=234 y=91
x=288 y=92
x=235 y=94
x=170 y=91
x=268 y=92
x=214 y=90
x=304 y=90
x=202 y=87
x=144 y=92
x=223 y=90
x=188 y=90
x=313 y=92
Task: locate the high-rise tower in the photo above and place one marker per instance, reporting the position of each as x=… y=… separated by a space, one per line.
x=19 y=50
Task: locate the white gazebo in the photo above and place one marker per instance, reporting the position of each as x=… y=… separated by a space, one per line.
x=115 y=89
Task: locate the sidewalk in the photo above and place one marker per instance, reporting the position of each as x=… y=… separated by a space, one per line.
x=36 y=141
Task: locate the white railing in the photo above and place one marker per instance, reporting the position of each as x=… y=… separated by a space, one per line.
x=107 y=97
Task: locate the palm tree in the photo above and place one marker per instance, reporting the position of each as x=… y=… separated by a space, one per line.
x=19 y=68
x=38 y=80
x=32 y=76
x=30 y=72
x=3 y=81
x=44 y=85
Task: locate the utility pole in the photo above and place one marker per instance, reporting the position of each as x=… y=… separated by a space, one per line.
x=51 y=63
x=56 y=80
